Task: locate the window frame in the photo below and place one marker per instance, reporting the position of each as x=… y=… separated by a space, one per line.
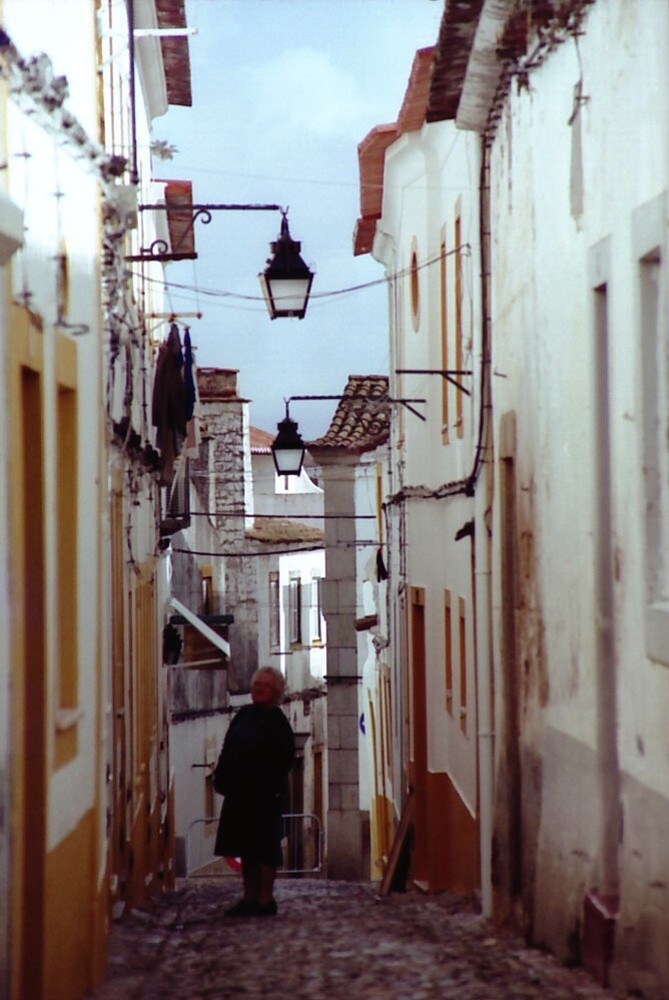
x=650 y=254
x=295 y=611
x=274 y=591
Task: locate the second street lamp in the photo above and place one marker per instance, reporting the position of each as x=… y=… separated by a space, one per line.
x=288 y=448
x=286 y=281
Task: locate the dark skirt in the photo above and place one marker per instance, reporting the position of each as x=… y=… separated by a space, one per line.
x=250 y=828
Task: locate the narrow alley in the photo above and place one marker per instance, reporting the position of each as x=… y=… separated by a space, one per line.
x=329 y=939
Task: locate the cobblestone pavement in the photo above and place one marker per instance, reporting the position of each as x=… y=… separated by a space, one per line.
x=330 y=939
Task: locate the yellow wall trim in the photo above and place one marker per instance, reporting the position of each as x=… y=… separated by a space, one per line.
x=76 y=922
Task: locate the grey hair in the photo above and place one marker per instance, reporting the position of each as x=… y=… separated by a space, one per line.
x=276 y=675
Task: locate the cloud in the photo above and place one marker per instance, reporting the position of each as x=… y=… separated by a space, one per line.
x=302 y=92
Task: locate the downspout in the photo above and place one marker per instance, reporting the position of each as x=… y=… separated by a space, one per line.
x=385 y=253
x=483 y=499
x=134 y=174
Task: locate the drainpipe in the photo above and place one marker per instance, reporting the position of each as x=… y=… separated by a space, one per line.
x=134 y=173
x=483 y=500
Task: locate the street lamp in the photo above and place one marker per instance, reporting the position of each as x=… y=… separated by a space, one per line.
x=288 y=448
x=286 y=281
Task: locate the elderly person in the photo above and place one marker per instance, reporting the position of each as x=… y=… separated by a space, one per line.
x=252 y=775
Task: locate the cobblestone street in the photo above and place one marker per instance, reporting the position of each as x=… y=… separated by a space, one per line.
x=329 y=939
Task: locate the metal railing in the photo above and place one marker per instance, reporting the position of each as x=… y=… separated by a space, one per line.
x=302 y=846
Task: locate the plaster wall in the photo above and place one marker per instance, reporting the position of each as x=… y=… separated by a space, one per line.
x=569 y=181
x=57 y=282
x=372 y=640
x=430 y=210
x=5 y=676
x=55 y=225
x=194 y=742
x=285 y=496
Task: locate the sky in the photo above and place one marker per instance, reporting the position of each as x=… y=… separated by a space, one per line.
x=283 y=92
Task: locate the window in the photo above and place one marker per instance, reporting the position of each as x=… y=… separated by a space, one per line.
x=207 y=589
x=448 y=651
x=414 y=286
x=67 y=712
x=458 y=318
x=443 y=323
x=649 y=246
x=462 y=630
x=274 y=611
x=317 y=610
x=294 y=611
x=379 y=502
x=176 y=500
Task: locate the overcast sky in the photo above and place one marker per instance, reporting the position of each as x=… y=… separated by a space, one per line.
x=283 y=92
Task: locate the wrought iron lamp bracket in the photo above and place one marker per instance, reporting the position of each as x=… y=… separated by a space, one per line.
x=159 y=249
x=368 y=400
x=448 y=374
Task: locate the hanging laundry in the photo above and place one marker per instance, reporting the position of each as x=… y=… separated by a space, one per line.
x=193 y=436
x=189 y=379
x=169 y=404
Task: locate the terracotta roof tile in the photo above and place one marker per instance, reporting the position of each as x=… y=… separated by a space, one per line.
x=176 y=55
x=361 y=421
x=179 y=201
x=412 y=112
x=363 y=235
x=372 y=149
x=261 y=441
x=456 y=37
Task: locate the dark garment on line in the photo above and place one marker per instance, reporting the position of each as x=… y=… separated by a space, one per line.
x=169 y=404
x=258 y=753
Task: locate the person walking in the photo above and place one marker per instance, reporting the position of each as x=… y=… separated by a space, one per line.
x=252 y=775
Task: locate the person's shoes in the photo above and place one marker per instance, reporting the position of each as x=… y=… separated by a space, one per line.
x=249 y=908
x=266 y=909
x=243 y=908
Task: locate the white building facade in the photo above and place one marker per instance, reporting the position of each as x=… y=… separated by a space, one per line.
x=84 y=585
x=581 y=562
x=548 y=122
x=422 y=223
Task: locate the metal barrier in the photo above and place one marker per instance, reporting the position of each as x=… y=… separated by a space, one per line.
x=302 y=845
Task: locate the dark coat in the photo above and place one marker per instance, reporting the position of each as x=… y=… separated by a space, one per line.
x=169 y=404
x=256 y=758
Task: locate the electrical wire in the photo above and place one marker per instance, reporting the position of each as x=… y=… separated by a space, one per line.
x=283 y=516
x=245 y=554
x=334 y=293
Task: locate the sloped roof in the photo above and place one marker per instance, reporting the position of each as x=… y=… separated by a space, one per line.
x=179 y=201
x=176 y=56
x=432 y=95
x=361 y=421
x=370 y=163
x=456 y=38
x=412 y=112
x=372 y=149
x=261 y=441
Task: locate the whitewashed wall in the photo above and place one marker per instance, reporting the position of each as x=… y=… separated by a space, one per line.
x=428 y=174
x=55 y=222
x=578 y=199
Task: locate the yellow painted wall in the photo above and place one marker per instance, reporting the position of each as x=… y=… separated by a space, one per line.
x=23 y=370
x=75 y=916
